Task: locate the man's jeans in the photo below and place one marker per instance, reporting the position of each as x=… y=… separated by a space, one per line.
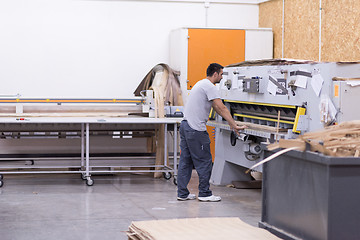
x=195 y=151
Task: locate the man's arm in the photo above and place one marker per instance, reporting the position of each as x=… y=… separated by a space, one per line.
x=221 y=109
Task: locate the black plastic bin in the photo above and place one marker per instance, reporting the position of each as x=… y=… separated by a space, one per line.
x=308 y=195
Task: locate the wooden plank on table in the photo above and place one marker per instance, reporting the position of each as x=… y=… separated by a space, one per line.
x=66 y=114
x=160 y=146
x=255 y=126
x=345 y=79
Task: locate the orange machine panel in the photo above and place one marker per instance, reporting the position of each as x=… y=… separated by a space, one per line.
x=211 y=132
x=205 y=46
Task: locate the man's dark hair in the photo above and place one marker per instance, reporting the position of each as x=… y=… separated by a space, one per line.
x=212 y=68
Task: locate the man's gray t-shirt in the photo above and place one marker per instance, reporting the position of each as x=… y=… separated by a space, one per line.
x=199 y=102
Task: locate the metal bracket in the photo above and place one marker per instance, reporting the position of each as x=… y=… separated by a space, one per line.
x=303 y=123
x=251 y=85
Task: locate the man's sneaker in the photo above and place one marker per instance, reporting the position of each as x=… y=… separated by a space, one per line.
x=211 y=198
x=189 y=197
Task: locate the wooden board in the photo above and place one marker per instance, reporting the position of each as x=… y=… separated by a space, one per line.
x=196 y=229
x=261 y=127
x=252 y=126
x=160 y=146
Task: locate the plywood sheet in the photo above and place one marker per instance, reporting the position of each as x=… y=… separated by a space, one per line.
x=340 y=31
x=197 y=229
x=301 y=29
x=270 y=16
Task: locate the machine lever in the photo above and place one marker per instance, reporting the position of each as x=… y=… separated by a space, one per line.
x=241 y=136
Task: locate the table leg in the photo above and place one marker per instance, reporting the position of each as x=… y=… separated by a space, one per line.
x=165 y=145
x=175 y=153
x=82 y=162
x=82 y=146
x=89 y=181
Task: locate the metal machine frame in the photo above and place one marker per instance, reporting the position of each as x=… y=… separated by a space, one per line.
x=268 y=95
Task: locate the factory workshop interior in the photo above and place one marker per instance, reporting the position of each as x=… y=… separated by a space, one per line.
x=98 y=141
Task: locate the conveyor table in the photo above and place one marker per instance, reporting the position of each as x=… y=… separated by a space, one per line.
x=85 y=124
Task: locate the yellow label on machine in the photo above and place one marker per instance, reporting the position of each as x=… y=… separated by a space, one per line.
x=300 y=111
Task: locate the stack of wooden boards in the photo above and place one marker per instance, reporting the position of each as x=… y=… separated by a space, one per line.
x=196 y=229
x=166 y=86
x=164 y=81
x=341 y=140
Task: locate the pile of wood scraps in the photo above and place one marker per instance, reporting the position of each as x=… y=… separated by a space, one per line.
x=341 y=140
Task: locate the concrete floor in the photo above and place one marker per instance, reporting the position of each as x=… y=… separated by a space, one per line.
x=63 y=207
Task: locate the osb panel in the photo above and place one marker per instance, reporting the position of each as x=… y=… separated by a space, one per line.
x=274 y=21
x=301 y=29
x=340 y=30
x=340 y=35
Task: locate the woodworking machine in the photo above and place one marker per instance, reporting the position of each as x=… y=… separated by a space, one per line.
x=279 y=99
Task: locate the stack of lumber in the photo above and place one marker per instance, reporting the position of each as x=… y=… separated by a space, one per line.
x=341 y=140
x=164 y=81
x=277 y=61
x=196 y=229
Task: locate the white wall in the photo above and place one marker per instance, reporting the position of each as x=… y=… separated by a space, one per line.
x=96 y=48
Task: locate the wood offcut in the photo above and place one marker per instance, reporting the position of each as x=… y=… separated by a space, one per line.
x=341 y=140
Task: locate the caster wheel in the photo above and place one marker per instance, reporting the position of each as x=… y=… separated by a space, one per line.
x=89 y=182
x=1 y=183
x=83 y=177
x=175 y=181
x=1 y=177
x=167 y=175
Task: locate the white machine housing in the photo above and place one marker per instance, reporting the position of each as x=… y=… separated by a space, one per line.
x=245 y=91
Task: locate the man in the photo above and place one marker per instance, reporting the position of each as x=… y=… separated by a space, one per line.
x=194 y=139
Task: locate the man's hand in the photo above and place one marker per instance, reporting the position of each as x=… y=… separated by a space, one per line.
x=237 y=128
x=221 y=109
